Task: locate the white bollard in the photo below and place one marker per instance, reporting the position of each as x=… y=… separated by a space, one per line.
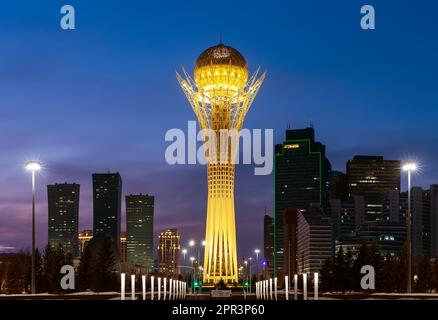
x=275 y=287
x=164 y=288
x=177 y=290
x=286 y=287
x=159 y=288
x=295 y=287
x=185 y=289
x=180 y=289
x=143 y=285
x=266 y=289
x=304 y=286
x=152 y=288
x=315 y=285
x=263 y=289
x=122 y=286
x=170 y=289
x=132 y=286
x=257 y=290
x=270 y=289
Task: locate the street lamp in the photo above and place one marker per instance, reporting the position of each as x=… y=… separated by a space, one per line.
x=184 y=251
x=250 y=273
x=257 y=251
x=409 y=167
x=191 y=243
x=33 y=166
x=192 y=259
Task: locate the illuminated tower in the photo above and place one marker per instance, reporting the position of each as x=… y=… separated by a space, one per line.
x=220 y=95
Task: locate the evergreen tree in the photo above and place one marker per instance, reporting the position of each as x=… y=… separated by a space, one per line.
x=327 y=276
x=39 y=272
x=424 y=275
x=340 y=271
x=18 y=272
x=84 y=269
x=103 y=272
x=54 y=259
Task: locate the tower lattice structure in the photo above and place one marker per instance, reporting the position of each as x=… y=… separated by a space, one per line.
x=221 y=95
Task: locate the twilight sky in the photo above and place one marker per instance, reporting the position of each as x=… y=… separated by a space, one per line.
x=101 y=97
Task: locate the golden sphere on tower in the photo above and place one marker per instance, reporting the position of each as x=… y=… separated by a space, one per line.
x=221 y=72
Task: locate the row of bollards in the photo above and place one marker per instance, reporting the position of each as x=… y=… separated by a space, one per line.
x=264 y=290
x=177 y=288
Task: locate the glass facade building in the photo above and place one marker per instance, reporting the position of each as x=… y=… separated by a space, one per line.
x=301 y=179
x=107 y=205
x=63 y=207
x=374 y=178
x=140 y=230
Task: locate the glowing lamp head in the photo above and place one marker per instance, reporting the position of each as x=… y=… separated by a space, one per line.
x=191 y=243
x=256 y=251
x=221 y=72
x=410 y=166
x=184 y=251
x=33 y=165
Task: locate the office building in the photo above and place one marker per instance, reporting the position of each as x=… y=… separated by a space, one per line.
x=140 y=230
x=373 y=177
x=63 y=207
x=389 y=236
x=268 y=244
x=314 y=240
x=168 y=252
x=338 y=186
x=107 y=205
x=347 y=217
x=301 y=179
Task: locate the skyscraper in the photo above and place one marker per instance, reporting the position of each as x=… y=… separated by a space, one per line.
x=421 y=218
x=374 y=178
x=168 y=252
x=107 y=205
x=63 y=205
x=221 y=95
x=140 y=230
x=268 y=243
x=301 y=179
x=314 y=240
x=338 y=186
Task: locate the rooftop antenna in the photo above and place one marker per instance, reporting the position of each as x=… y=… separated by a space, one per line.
x=287 y=126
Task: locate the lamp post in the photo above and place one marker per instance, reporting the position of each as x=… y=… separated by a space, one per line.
x=184 y=251
x=33 y=166
x=257 y=251
x=250 y=274
x=409 y=168
x=192 y=259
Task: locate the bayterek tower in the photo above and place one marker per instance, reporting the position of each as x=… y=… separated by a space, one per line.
x=220 y=94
